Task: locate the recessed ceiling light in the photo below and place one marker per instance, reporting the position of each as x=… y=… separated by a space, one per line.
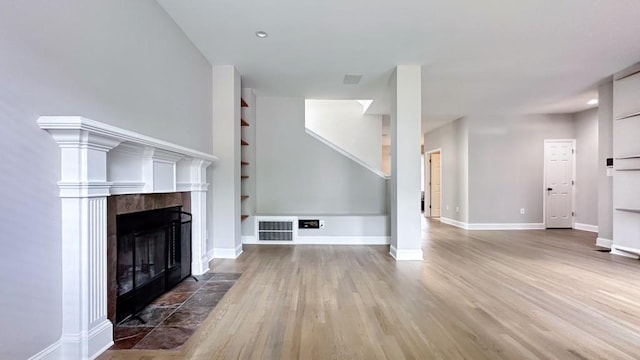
x=593 y=102
x=261 y=34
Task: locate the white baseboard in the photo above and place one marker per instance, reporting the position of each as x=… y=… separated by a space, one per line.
x=406 y=254
x=455 y=223
x=87 y=347
x=507 y=226
x=324 y=240
x=51 y=352
x=586 y=227
x=489 y=226
x=625 y=251
x=605 y=243
x=224 y=253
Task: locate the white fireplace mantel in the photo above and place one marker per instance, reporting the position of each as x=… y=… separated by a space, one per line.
x=99 y=160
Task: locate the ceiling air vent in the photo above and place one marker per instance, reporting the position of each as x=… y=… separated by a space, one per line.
x=352 y=79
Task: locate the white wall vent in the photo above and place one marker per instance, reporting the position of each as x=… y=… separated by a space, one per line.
x=276 y=229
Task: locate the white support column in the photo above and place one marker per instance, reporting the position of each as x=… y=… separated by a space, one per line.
x=226 y=173
x=86 y=331
x=406 y=115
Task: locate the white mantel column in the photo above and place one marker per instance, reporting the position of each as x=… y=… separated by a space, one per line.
x=192 y=177
x=406 y=115
x=86 y=331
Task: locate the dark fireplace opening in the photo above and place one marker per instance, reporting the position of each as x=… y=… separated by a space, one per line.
x=153 y=255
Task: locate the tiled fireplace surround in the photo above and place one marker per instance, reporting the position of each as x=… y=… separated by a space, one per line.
x=127 y=204
x=97 y=162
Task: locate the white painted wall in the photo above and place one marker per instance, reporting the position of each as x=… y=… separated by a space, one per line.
x=297 y=174
x=506 y=163
x=120 y=62
x=492 y=166
x=355 y=226
x=605 y=150
x=586 y=134
x=342 y=123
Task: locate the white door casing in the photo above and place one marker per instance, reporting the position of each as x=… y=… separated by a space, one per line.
x=435 y=184
x=558 y=190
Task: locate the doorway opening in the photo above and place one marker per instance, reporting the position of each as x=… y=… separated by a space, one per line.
x=433 y=183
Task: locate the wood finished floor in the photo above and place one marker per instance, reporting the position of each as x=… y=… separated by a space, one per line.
x=477 y=295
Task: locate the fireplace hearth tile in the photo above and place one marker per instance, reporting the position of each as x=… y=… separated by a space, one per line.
x=152 y=315
x=190 y=317
x=165 y=338
x=188 y=284
x=175 y=316
x=128 y=337
x=215 y=285
x=204 y=298
x=205 y=276
x=173 y=298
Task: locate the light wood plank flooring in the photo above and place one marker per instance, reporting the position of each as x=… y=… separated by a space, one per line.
x=477 y=295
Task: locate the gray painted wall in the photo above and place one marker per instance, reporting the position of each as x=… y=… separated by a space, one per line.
x=586 y=134
x=125 y=63
x=605 y=150
x=448 y=138
x=506 y=163
x=492 y=165
x=297 y=174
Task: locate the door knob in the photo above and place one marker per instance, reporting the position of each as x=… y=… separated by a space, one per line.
x=549 y=189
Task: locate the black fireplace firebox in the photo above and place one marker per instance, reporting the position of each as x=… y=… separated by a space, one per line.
x=154 y=254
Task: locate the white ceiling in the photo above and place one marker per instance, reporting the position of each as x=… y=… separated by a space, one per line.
x=525 y=56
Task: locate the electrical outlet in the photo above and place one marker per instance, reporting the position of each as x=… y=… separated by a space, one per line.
x=522 y=211
x=447 y=207
x=457 y=208
x=321 y=224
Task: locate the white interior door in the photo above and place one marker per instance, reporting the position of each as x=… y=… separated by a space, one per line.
x=558 y=155
x=435 y=184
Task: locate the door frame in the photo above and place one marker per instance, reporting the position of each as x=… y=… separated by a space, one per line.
x=544 y=181
x=427 y=179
